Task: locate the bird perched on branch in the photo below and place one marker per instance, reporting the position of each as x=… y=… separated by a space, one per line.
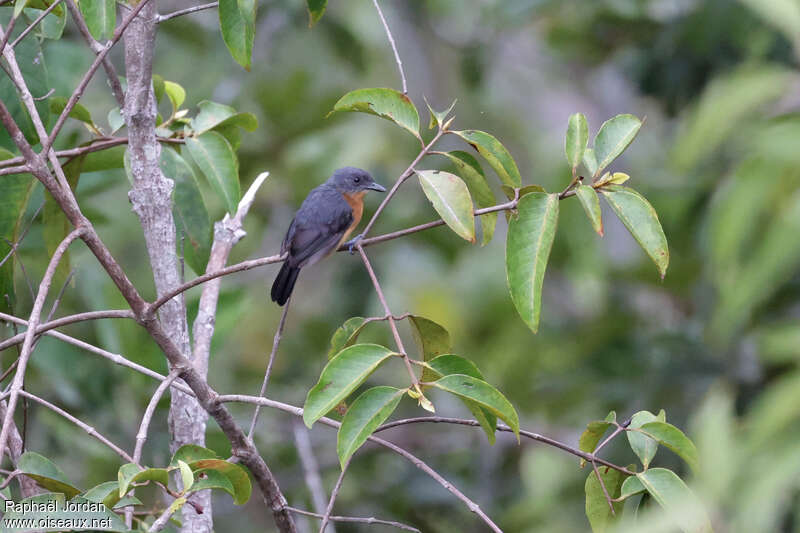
x=328 y=215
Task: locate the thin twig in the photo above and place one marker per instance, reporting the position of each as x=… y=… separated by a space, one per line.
x=275 y=343
x=605 y=490
x=187 y=11
x=370 y=520
x=309 y=463
x=334 y=493
x=393 y=45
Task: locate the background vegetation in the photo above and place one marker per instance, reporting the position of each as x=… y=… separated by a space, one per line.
x=716 y=343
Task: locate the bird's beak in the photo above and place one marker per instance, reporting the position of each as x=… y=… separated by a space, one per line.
x=376 y=187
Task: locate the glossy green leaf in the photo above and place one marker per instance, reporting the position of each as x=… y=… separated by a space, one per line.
x=642 y=221
x=341 y=376
x=644 y=447
x=431 y=339
x=190 y=453
x=530 y=238
x=590 y=161
x=126 y=501
x=438 y=118
x=346 y=335
x=218 y=162
x=483 y=394
x=674 y=496
x=19 y=5
x=175 y=93
x=100 y=17
x=46 y=474
x=495 y=154
x=189 y=210
x=576 y=139
x=51 y=26
x=212 y=479
x=631 y=486
x=213 y=115
x=674 y=439
x=131 y=473
x=79 y=112
x=591 y=205
x=447 y=364
x=115 y=120
x=237 y=20
x=316 y=8
x=106 y=493
x=187 y=477
x=597 y=510
x=451 y=199
x=614 y=136
x=32 y=64
x=370 y=410
x=236 y=474
x=591 y=436
x=385 y=103
x=468 y=168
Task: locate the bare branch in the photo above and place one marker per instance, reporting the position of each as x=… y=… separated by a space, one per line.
x=393 y=45
x=371 y=520
x=334 y=493
x=310 y=466
x=187 y=11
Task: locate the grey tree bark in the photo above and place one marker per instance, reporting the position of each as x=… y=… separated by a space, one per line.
x=151 y=198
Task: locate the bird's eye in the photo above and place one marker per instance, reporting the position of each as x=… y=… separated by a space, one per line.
x=357 y=179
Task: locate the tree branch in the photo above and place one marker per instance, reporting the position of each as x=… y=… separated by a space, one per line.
x=187 y=11
x=393 y=45
x=371 y=520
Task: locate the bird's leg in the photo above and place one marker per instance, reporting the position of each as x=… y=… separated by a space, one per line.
x=352 y=242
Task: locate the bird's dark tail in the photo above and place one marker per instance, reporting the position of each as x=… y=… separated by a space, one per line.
x=284 y=283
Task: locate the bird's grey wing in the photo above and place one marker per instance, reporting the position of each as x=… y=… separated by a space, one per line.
x=317 y=232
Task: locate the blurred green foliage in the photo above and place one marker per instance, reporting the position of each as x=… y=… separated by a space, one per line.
x=716 y=343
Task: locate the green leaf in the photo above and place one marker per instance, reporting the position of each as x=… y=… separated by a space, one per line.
x=495 y=154
x=126 y=501
x=674 y=496
x=46 y=474
x=631 y=487
x=576 y=139
x=115 y=120
x=483 y=394
x=110 y=159
x=51 y=26
x=216 y=159
x=187 y=477
x=189 y=210
x=106 y=493
x=591 y=205
x=132 y=473
x=674 y=439
x=450 y=197
x=346 y=335
x=175 y=93
x=597 y=510
x=237 y=475
x=79 y=112
x=341 y=376
x=15 y=191
x=468 y=168
x=644 y=447
x=642 y=221
x=385 y=103
x=431 y=339
x=369 y=411
x=190 y=453
x=530 y=238
x=158 y=88
x=447 y=364
x=237 y=20
x=438 y=118
x=207 y=478
x=509 y=191
x=213 y=115
x=19 y=5
x=591 y=436
x=32 y=64
x=100 y=16
x=590 y=161
x=614 y=136
x=316 y=8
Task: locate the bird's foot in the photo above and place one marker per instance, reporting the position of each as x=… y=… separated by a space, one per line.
x=352 y=243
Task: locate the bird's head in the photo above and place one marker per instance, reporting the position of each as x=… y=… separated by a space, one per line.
x=352 y=180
